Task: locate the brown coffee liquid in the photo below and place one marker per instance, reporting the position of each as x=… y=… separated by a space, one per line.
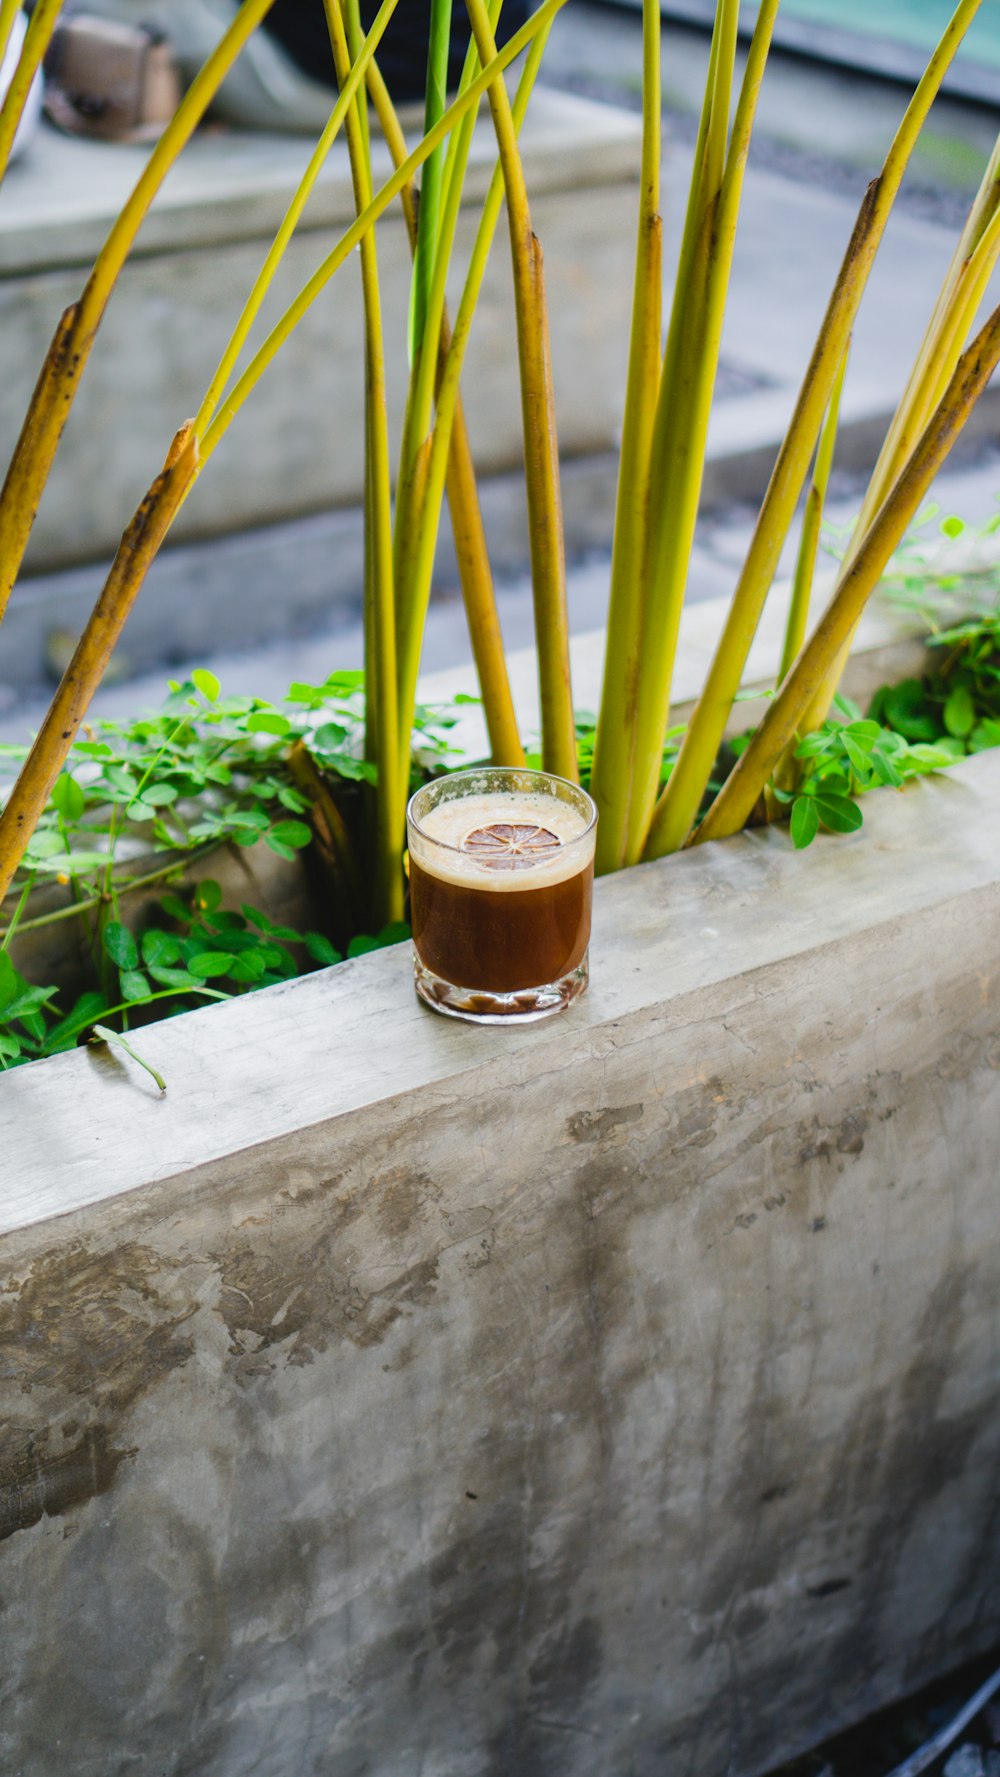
x=500 y=941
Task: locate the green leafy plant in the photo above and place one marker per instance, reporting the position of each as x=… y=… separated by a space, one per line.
x=848 y=755
x=198 y=952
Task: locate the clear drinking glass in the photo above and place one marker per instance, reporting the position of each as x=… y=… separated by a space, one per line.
x=501 y=880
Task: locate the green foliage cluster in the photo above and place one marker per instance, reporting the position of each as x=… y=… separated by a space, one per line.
x=841 y=760
x=138 y=805
x=207 y=770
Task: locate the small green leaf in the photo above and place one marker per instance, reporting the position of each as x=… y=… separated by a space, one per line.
x=885 y=770
x=859 y=756
x=960 y=712
x=361 y=945
x=865 y=733
x=952 y=527
x=44 y=845
x=933 y=758
x=210 y=962
x=986 y=733
x=293 y=833
x=10 y=1046
x=159 y=795
x=838 y=813
x=906 y=709
x=120 y=945
x=321 y=950
x=179 y=979
x=17 y=996
x=102 y=1034
x=207 y=895
x=250 y=965
x=159 y=949
x=805 y=822
x=268 y=722
x=396 y=932
x=207 y=683
x=175 y=907
x=134 y=985
x=85 y=1010
x=68 y=798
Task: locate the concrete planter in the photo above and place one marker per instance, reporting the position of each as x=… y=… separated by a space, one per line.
x=615 y=1396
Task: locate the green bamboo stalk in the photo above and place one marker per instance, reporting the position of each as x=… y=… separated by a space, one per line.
x=440 y=451
x=541 y=454
x=615 y=739
x=463 y=500
x=812 y=524
x=678 y=806
x=352 y=85
x=425 y=351
x=380 y=665
x=742 y=789
x=36 y=41
x=682 y=420
x=55 y=737
x=60 y=376
x=435 y=99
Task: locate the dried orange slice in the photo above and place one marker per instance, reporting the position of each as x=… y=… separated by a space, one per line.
x=511 y=845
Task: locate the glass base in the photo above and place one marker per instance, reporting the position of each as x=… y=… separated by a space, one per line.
x=478 y=1007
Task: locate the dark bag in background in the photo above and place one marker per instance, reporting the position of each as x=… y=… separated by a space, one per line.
x=300 y=27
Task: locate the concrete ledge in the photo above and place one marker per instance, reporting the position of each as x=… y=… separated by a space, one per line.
x=394 y=1395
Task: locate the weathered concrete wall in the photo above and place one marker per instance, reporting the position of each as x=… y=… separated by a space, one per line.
x=296 y=446
x=616 y=1396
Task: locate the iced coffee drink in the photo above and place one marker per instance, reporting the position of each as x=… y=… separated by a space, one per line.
x=501 y=876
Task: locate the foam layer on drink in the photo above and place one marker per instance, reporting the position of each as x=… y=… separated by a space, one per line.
x=505 y=841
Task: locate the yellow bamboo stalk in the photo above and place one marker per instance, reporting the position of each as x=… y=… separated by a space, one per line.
x=682 y=421
x=347 y=99
x=392 y=189
x=615 y=739
x=812 y=524
x=678 y=806
x=954 y=316
x=541 y=451
x=153 y=519
x=380 y=683
x=36 y=41
x=93 y=651
x=938 y=354
x=742 y=789
x=77 y=330
x=9 y=10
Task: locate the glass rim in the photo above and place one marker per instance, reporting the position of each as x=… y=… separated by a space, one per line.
x=549 y=777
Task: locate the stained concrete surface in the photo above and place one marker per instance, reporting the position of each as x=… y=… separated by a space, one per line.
x=614 y=1396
